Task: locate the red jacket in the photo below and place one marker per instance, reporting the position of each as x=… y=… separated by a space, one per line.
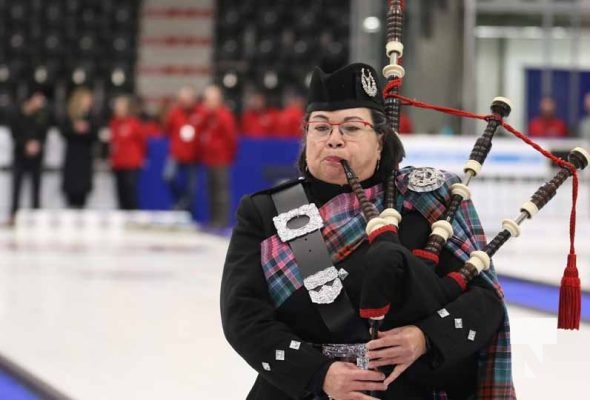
x=128 y=143
x=259 y=123
x=290 y=121
x=218 y=136
x=405 y=124
x=151 y=128
x=180 y=126
x=547 y=127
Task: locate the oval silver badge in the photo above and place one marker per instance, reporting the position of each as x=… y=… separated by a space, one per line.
x=425 y=179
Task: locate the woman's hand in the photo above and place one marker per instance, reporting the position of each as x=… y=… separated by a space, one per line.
x=345 y=381
x=399 y=347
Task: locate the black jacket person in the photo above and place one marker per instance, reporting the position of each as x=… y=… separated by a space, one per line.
x=80 y=132
x=277 y=316
x=28 y=124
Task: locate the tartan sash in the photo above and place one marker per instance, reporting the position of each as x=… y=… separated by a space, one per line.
x=344 y=232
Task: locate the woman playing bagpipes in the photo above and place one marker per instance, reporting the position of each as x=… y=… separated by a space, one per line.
x=299 y=257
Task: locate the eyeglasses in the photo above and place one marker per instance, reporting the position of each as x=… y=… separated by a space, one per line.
x=349 y=129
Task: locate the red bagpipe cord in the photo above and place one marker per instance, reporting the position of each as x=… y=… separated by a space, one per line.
x=570 y=289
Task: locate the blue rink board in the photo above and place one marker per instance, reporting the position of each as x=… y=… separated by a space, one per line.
x=11 y=389
x=538 y=296
x=259 y=164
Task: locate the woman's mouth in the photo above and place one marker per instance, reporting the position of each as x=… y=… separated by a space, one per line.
x=333 y=159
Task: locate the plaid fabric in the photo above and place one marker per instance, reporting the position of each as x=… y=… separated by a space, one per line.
x=280 y=269
x=344 y=228
x=344 y=232
x=495 y=362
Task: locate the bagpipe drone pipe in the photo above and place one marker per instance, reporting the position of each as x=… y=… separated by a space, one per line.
x=395 y=274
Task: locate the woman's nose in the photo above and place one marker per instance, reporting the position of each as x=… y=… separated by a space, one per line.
x=335 y=139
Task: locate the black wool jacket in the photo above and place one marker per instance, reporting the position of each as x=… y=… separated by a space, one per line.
x=256 y=329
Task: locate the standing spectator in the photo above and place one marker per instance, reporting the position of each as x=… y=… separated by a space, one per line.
x=290 y=118
x=258 y=119
x=127 y=152
x=162 y=110
x=184 y=152
x=547 y=124
x=584 y=129
x=217 y=128
x=81 y=133
x=29 y=126
x=150 y=122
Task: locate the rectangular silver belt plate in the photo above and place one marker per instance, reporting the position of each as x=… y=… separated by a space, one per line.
x=308 y=210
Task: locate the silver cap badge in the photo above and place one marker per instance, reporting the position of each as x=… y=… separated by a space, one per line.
x=368 y=82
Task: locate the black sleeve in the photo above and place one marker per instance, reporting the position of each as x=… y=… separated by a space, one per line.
x=66 y=128
x=248 y=316
x=465 y=325
x=479 y=309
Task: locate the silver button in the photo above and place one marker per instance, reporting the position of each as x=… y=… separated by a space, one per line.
x=295 y=345
x=342 y=274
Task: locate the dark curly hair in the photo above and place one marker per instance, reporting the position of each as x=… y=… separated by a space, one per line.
x=392 y=152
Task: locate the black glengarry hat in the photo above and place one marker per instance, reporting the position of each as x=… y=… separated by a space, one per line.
x=352 y=86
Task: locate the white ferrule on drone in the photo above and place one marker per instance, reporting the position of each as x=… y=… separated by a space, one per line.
x=394 y=51
x=392 y=216
x=472 y=166
x=443 y=229
x=461 y=190
x=530 y=208
x=374 y=224
x=511 y=226
x=480 y=260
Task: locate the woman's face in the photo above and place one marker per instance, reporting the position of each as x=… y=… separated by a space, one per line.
x=360 y=147
x=86 y=102
x=121 y=107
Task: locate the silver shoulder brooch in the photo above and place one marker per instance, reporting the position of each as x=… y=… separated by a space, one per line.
x=425 y=179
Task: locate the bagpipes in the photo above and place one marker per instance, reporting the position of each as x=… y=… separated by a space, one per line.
x=396 y=274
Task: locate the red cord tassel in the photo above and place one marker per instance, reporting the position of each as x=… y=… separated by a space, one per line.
x=570 y=296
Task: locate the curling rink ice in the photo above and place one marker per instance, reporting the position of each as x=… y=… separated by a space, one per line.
x=134 y=314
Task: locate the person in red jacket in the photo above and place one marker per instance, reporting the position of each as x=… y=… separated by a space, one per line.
x=184 y=150
x=150 y=121
x=547 y=124
x=290 y=118
x=405 y=124
x=218 y=141
x=127 y=152
x=258 y=120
